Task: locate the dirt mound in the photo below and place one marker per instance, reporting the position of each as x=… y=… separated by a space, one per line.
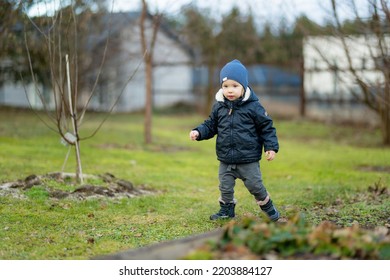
x=110 y=186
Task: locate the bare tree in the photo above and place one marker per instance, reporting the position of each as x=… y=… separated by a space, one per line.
x=375 y=31
x=148 y=48
x=64 y=41
x=363 y=65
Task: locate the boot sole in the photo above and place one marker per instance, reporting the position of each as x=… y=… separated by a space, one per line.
x=220 y=218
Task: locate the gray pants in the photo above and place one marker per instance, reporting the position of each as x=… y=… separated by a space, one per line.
x=249 y=173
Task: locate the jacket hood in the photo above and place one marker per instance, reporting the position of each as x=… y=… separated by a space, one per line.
x=248 y=96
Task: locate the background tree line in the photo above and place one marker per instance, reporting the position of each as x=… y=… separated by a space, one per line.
x=214 y=42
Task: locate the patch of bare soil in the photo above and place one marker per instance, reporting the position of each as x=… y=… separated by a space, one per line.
x=376 y=194
x=374 y=168
x=111 y=187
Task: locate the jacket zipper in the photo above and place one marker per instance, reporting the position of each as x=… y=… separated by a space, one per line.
x=231 y=131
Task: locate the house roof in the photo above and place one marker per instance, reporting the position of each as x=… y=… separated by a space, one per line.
x=115 y=23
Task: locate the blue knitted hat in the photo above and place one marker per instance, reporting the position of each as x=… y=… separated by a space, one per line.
x=234 y=70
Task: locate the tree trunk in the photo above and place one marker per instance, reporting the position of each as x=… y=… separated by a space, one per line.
x=384 y=112
x=302 y=104
x=148 y=61
x=149 y=98
x=79 y=172
x=385 y=125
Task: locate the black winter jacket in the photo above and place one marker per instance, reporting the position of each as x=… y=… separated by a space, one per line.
x=243 y=128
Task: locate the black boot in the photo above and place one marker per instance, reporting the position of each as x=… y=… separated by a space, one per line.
x=226 y=211
x=270 y=210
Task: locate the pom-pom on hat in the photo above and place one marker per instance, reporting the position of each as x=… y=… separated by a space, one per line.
x=234 y=70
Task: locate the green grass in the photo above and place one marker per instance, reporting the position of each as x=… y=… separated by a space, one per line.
x=316 y=172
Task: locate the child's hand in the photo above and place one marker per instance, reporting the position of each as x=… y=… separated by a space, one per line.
x=270 y=155
x=194 y=135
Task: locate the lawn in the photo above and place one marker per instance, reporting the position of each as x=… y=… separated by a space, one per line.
x=327 y=172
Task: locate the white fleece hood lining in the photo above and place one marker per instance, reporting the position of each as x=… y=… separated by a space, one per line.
x=220 y=98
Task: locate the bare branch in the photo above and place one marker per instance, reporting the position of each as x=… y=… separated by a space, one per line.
x=116 y=101
x=100 y=67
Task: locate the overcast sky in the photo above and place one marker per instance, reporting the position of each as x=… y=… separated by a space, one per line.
x=263 y=10
x=317 y=10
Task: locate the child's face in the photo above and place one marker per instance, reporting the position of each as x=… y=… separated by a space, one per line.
x=232 y=90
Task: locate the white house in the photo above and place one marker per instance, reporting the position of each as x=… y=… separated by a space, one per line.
x=328 y=82
x=172 y=71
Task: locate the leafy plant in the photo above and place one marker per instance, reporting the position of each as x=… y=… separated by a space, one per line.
x=296 y=239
